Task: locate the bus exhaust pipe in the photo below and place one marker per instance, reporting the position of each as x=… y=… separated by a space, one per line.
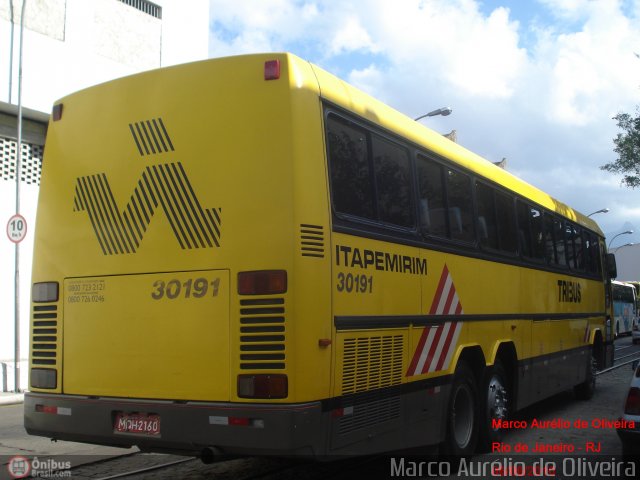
x=210 y=455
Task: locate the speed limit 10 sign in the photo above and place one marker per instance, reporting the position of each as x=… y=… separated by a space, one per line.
x=16 y=228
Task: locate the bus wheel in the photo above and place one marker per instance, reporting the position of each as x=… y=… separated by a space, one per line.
x=495 y=408
x=462 y=413
x=585 y=390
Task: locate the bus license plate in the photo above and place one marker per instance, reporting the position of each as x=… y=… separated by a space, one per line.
x=137 y=424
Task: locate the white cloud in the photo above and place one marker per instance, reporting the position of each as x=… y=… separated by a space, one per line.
x=568 y=9
x=451 y=41
x=351 y=36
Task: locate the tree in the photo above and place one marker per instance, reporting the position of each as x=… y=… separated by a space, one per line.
x=627 y=146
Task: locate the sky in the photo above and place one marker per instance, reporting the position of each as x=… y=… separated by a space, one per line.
x=534 y=81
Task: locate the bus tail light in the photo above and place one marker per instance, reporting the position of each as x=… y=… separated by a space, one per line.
x=52 y=409
x=45 y=292
x=272 y=70
x=56 y=113
x=632 y=405
x=44 y=378
x=262 y=282
x=263 y=386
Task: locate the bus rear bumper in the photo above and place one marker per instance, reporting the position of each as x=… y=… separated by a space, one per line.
x=184 y=427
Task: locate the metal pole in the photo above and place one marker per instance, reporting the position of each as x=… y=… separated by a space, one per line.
x=18 y=173
x=11 y=52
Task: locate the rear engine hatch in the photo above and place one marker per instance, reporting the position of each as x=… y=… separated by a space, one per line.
x=161 y=335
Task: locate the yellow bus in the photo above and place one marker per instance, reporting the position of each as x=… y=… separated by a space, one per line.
x=247 y=255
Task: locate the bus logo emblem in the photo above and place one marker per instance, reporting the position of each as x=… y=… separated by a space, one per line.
x=161 y=187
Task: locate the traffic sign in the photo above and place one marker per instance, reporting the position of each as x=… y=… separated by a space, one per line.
x=16 y=228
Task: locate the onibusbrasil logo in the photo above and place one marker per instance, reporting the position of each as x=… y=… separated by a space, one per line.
x=22 y=467
x=19 y=467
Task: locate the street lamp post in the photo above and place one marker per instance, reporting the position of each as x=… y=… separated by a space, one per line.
x=622 y=246
x=628 y=232
x=602 y=210
x=444 y=111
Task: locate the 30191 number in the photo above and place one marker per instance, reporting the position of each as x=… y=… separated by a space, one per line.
x=191 y=288
x=354 y=283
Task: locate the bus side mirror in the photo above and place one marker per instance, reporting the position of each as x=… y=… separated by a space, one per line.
x=612 y=269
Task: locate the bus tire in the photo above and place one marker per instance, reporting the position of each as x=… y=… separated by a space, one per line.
x=495 y=404
x=462 y=414
x=586 y=389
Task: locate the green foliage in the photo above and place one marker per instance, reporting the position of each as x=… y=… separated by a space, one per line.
x=627 y=146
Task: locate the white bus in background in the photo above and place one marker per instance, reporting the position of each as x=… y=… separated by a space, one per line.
x=624 y=307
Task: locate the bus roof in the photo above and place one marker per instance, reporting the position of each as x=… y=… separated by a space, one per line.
x=343 y=94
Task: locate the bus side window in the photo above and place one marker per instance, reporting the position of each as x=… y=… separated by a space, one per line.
x=507 y=235
x=595 y=265
x=487 y=225
x=549 y=243
x=587 y=252
x=393 y=183
x=574 y=247
x=460 y=206
x=351 y=177
x=524 y=229
x=432 y=200
x=577 y=241
x=537 y=233
x=559 y=237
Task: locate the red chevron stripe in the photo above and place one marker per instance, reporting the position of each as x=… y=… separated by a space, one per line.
x=451 y=306
x=416 y=356
x=432 y=350
x=447 y=346
x=436 y=298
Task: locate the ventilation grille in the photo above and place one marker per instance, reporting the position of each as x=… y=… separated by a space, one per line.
x=30 y=161
x=262 y=334
x=146 y=7
x=374 y=412
x=151 y=137
x=312 y=240
x=44 y=335
x=371 y=363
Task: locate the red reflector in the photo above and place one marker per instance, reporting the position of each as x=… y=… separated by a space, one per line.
x=262 y=282
x=263 y=386
x=240 y=421
x=632 y=405
x=272 y=70
x=337 y=413
x=57 y=112
x=47 y=409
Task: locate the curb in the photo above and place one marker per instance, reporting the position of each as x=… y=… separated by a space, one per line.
x=11 y=398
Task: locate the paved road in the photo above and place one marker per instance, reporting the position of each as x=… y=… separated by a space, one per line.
x=561 y=422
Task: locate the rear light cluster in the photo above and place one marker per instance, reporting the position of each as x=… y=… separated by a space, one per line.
x=56 y=113
x=237 y=421
x=632 y=405
x=272 y=70
x=263 y=386
x=44 y=378
x=262 y=282
x=53 y=409
x=45 y=292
